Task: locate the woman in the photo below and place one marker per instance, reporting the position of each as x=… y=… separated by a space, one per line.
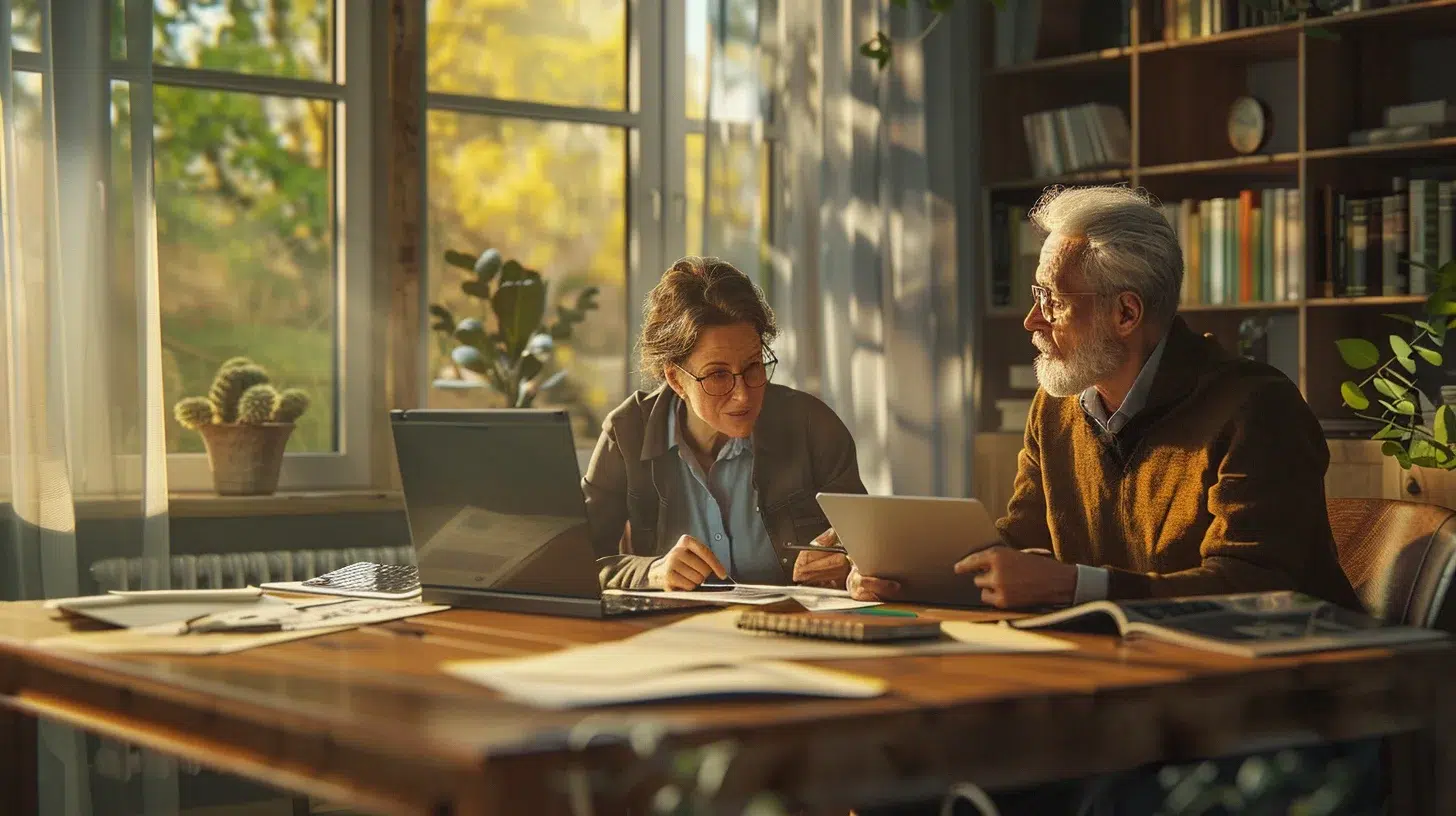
x=713 y=475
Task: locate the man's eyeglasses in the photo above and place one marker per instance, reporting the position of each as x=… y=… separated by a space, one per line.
x=720 y=382
x=1051 y=306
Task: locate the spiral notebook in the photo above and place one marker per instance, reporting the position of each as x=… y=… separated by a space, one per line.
x=847 y=627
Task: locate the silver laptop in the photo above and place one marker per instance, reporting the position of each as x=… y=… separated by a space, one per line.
x=496 y=514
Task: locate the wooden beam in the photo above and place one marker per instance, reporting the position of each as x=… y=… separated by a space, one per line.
x=399 y=117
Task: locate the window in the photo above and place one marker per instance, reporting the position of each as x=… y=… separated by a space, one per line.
x=529 y=133
x=597 y=141
x=260 y=145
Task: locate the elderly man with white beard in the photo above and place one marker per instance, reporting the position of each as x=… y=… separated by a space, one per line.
x=1154 y=463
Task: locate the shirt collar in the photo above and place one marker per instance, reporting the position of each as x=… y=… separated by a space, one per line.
x=733 y=447
x=1137 y=396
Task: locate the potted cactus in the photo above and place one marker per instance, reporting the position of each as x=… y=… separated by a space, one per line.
x=245 y=423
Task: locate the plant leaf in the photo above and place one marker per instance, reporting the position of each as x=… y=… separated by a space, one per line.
x=1390 y=431
x=1354 y=397
x=1429 y=355
x=1407 y=319
x=1399 y=346
x=476 y=288
x=459 y=259
x=1444 y=424
x=1393 y=390
x=487 y=265
x=1407 y=363
x=1398 y=451
x=1358 y=353
x=1405 y=407
x=519 y=305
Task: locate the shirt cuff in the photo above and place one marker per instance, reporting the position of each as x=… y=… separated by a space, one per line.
x=1091 y=584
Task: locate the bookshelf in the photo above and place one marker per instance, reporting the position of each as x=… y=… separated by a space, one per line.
x=1319 y=80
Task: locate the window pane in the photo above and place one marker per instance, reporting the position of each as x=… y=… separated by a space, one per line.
x=246 y=246
x=118 y=29
x=556 y=52
x=553 y=196
x=722 y=45
x=738 y=204
x=25 y=25
x=293 y=39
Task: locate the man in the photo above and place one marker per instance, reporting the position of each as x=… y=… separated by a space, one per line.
x=1155 y=463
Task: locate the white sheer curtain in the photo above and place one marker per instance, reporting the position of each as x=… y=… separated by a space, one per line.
x=867 y=269
x=83 y=425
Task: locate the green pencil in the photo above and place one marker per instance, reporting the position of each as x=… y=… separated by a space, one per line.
x=893 y=613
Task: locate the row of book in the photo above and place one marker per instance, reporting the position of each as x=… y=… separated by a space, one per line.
x=1186 y=19
x=1028 y=30
x=1254 y=248
x=1248 y=249
x=1384 y=242
x=1083 y=137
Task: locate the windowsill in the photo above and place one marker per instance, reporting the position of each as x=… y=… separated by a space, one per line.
x=290 y=503
x=203 y=504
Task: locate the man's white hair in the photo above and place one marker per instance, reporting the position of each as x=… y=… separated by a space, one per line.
x=1129 y=245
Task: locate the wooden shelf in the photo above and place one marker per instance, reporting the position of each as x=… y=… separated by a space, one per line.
x=1276 y=163
x=1270 y=41
x=1373 y=300
x=1089 y=177
x=1425 y=17
x=1261 y=306
x=1107 y=57
x=1389 y=149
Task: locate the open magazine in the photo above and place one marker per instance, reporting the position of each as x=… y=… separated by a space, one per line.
x=1248 y=625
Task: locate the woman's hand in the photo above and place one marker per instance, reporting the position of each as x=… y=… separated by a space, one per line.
x=686 y=565
x=830 y=569
x=866 y=588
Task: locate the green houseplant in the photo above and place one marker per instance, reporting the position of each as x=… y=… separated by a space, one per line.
x=509 y=344
x=245 y=423
x=1389 y=392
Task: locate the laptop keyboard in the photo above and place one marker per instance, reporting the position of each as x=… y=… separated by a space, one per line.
x=366 y=577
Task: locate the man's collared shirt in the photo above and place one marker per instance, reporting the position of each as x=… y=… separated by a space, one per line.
x=1092 y=581
x=720 y=507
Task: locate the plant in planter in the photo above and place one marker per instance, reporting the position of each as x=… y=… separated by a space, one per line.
x=245 y=423
x=1416 y=367
x=509 y=345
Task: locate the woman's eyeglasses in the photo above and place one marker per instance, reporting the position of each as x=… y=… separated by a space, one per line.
x=720 y=383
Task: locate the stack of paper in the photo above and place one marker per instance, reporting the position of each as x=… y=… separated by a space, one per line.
x=815 y=599
x=709 y=655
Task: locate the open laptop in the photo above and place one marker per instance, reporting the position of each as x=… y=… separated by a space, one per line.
x=496 y=514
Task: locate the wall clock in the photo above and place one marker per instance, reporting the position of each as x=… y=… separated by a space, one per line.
x=1248 y=125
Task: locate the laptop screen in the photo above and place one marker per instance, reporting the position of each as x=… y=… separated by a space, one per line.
x=494 y=501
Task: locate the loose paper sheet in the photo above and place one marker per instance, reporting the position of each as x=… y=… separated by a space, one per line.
x=815 y=599
x=713 y=641
x=759 y=677
x=145 y=641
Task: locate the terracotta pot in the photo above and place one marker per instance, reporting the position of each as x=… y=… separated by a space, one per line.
x=246 y=459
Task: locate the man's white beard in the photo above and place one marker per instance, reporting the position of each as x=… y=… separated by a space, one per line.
x=1089 y=362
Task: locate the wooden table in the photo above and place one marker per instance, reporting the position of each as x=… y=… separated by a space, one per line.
x=363 y=717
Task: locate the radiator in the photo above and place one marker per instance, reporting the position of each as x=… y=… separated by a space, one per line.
x=233 y=570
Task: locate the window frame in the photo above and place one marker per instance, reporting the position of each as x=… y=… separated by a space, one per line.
x=357 y=371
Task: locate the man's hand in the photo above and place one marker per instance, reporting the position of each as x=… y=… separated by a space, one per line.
x=822 y=569
x=686 y=565
x=866 y=588
x=1010 y=578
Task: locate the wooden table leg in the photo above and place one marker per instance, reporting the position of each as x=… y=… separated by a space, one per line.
x=18 y=783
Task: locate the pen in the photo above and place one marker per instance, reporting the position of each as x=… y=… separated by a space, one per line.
x=816 y=548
